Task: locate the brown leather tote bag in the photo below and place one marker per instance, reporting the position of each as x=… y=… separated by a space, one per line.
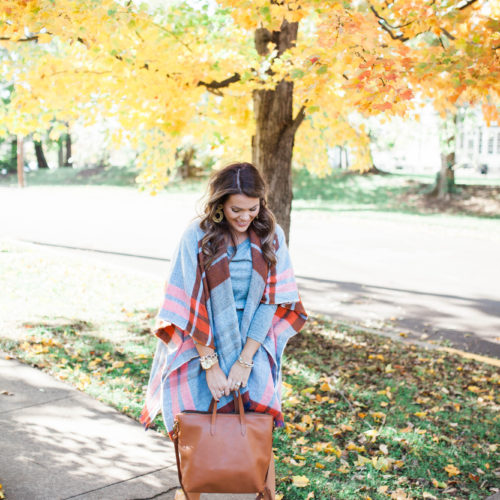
x=223 y=452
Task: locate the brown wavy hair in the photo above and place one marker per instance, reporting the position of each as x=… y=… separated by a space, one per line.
x=237 y=178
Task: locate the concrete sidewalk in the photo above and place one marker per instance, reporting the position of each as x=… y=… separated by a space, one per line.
x=58 y=443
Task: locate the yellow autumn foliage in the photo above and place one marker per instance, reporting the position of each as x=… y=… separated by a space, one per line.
x=151 y=69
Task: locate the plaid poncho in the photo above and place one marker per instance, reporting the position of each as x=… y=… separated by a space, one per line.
x=199 y=307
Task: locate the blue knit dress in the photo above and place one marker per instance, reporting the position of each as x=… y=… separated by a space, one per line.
x=240 y=269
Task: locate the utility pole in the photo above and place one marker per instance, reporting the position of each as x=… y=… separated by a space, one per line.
x=20 y=161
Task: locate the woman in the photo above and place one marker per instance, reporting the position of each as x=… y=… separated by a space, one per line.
x=231 y=303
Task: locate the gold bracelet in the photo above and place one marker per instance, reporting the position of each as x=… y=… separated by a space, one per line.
x=244 y=363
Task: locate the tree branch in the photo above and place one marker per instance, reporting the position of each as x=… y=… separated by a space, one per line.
x=385 y=26
x=470 y=2
x=289 y=131
x=447 y=34
x=299 y=118
x=214 y=86
x=378 y=16
x=29 y=39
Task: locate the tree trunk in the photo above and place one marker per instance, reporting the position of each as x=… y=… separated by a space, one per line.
x=67 y=158
x=40 y=157
x=20 y=161
x=60 y=152
x=13 y=156
x=272 y=144
x=186 y=169
x=445 y=178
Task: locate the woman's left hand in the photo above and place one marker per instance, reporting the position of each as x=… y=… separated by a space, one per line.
x=238 y=376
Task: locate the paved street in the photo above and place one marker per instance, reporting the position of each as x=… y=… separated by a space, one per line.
x=424 y=276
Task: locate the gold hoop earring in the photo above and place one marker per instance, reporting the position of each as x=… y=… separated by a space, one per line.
x=218 y=215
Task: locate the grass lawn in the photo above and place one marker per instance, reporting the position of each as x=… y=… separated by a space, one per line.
x=396 y=193
x=339 y=191
x=366 y=417
x=95 y=176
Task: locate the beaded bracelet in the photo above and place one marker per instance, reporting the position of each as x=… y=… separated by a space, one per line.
x=244 y=363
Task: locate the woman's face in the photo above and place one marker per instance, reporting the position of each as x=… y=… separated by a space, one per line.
x=240 y=210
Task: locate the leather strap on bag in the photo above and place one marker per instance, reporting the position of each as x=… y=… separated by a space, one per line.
x=238 y=405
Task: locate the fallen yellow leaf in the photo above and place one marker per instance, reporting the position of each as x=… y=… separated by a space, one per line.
x=382 y=463
x=438 y=484
x=334 y=450
x=300 y=481
x=400 y=494
x=306 y=419
x=474 y=388
x=354 y=447
x=325 y=386
x=307 y=390
x=372 y=434
x=378 y=415
x=361 y=460
x=452 y=470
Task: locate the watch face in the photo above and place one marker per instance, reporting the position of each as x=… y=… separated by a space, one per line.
x=207 y=363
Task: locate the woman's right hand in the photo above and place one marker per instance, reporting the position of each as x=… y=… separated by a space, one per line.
x=217 y=382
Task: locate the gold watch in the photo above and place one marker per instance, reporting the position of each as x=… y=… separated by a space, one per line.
x=208 y=361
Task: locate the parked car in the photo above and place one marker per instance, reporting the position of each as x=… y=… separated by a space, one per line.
x=483 y=168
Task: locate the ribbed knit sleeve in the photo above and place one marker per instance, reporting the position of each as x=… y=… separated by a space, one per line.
x=261 y=322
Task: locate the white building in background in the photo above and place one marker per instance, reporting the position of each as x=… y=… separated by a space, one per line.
x=408 y=145
x=478 y=145
x=411 y=146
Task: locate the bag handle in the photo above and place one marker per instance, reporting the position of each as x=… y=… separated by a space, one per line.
x=238 y=408
x=236 y=405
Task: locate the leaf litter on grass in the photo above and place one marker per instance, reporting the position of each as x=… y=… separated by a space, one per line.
x=373 y=413
x=354 y=429
x=366 y=417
